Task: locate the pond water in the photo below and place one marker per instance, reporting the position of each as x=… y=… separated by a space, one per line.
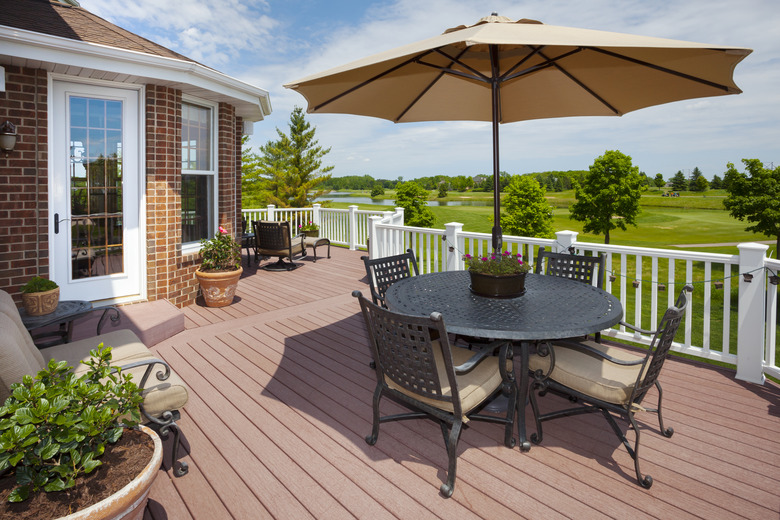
x=336 y=196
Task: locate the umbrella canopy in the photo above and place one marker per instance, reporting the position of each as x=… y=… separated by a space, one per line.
x=502 y=71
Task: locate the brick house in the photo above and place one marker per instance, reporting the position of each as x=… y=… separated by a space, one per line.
x=127 y=155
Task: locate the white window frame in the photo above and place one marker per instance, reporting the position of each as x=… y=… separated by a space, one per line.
x=213 y=171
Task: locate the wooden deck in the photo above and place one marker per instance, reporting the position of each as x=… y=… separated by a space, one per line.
x=280 y=403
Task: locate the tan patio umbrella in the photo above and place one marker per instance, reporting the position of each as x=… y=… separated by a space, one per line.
x=503 y=71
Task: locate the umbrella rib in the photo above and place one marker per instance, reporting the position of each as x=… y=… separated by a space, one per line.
x=661 y=69
x=582 y=85
x=426 y=89
x=370 y=80
x=506 y=75
x=548 y=63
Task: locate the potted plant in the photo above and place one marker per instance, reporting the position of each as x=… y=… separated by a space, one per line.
x=55 y=431
x=310 y=229
x=220 y=269
x=40 y=296
x=497 y=275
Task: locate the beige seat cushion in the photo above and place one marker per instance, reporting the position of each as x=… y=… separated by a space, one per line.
x=16 y=358
x=159 y=396
x=591 y=375
x=297 y=247
x=475 y=386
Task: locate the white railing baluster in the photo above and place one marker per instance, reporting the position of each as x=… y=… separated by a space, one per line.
x=707 y=300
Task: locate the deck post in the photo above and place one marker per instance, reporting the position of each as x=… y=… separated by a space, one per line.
x=751 y=313
x=452 y=231
x=372 y=241
x=353 y=230
x=564 y=240
x=271 y=208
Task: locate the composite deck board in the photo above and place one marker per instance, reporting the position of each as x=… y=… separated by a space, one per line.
x=280 y=403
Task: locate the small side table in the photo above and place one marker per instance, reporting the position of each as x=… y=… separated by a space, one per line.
x=313 y=242
x=65 y=313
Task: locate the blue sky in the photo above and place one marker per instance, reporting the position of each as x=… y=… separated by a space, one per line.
x=268 y=43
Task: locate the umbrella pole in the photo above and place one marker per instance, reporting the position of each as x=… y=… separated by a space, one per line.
x=494 y=83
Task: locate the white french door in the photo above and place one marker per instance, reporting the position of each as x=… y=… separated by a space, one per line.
x=95 y=236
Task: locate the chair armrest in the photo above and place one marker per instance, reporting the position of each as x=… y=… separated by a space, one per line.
x=149 y=363
x=483 y=352
x=637 y=329
x=587 y=349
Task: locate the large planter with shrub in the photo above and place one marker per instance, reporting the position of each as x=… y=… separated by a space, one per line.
x=218 y=287
x=220 y=270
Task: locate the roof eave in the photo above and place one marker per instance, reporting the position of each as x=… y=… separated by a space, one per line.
x=252 y=103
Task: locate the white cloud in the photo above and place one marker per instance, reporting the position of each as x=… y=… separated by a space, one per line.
x=268 y=43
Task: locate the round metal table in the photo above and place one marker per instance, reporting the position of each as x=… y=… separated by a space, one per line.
x=551 y=308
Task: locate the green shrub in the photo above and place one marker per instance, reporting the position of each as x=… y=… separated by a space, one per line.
x=54 y=427
x=38 y=284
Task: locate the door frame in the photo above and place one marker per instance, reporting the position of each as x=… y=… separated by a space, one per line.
x=139 y=257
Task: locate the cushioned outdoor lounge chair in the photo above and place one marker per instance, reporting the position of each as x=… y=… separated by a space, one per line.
x=274 y=239
x=607 y=379
x=417 y=367
x=163 y=391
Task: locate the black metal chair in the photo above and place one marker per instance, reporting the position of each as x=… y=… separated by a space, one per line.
x=274 y=239
x=417 y=367
x=607 y=379
x=248 y=241
x=384 y=272
x=575 y=267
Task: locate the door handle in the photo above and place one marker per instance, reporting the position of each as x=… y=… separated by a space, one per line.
x=56 y=223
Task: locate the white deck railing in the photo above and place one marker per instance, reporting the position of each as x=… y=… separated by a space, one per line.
x=728 y=319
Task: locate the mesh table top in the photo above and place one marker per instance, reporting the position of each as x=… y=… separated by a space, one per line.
x=551 y=307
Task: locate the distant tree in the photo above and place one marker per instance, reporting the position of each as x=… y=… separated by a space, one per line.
x=526 y=210
x=679 y=182
x=611 y=189
x=700 y=184
x=716 y=183
x=659 y=181
x=377 y=191
x=442 y=191
x=755 y=196
x=414 y=199
x=292 y=165
x=254 y=187
x=697 y=181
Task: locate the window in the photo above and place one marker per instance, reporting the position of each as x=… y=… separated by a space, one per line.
x=198 y=185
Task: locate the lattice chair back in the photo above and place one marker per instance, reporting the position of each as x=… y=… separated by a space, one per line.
x=384 y=272
x=410 y=353
x=582 y=268
x=660 y=346
x=272 y=235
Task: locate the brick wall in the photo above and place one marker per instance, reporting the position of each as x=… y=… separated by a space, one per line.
x=24 y=211
x=24 y=245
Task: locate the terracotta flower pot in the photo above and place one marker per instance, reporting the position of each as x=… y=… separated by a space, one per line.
x=218 y=287
x=40 y=303
x=315 y=233
x=129 y=502
x=492 y=286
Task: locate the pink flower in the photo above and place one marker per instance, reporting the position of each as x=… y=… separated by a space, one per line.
x=222 y=230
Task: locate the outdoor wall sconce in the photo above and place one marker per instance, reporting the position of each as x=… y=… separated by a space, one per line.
x=748 y=277
x=636 y=283
x=7 y=137
x=774 y=279
x=661 y=286
x=719 y=284
x=612 y=278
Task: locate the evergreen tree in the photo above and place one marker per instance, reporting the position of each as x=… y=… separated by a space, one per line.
x=526 y=210
x=697 y=181
x=254 y=188
x=292 y=165
x=679 y=182
x=611 y=189
x=659 y=181
x=716 y=183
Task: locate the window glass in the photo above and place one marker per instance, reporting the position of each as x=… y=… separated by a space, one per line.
x=198 y=176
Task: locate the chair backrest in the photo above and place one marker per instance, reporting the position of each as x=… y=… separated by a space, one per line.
x=272 y=235
x=384 y=272
x=18 y=354
x=660 y=346
x=413 y=352
x=582 y=268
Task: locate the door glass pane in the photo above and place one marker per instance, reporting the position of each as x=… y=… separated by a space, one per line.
x=96 y=187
